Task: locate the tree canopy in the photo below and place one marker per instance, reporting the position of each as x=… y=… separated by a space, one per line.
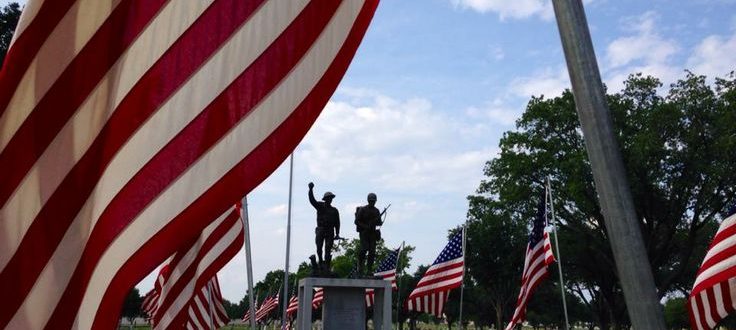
x=679 y=150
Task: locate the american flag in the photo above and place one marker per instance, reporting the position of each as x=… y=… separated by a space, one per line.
x=317 y=298
x=266 y=307
x=538 y=257
x=128 y=124
x=386 y=270
x=293 y=306
x=150 y=303
x=206 y=310
x=246 y=316
x=192 y=271
x=445 y=274
x=714 y=292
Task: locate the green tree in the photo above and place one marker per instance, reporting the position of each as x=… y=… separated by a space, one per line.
x=9 y=16
x=675 y=313
x=679 y=151
x=132 y=305
x=495 y=245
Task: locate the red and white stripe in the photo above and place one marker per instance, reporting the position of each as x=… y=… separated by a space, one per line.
x=318 y=297
x=125 y=125
x=714 y=292
x=193 y=268
x=293 y=306
x=150 y=302
x=389 y=275
x=536 y=263
x=206 y=311
x=266 y=307
x=433 y=290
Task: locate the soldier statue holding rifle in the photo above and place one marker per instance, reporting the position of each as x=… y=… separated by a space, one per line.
x=367 y=218
x=328 y=228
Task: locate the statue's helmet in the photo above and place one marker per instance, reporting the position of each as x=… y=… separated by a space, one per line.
x=328 y=195
x=372 y=197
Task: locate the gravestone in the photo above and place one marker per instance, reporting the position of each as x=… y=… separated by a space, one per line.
x=344 y=305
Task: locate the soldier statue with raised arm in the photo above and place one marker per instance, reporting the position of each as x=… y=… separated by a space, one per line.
x=328 y=227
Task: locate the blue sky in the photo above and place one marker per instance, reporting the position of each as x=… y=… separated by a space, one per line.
x=430 y=92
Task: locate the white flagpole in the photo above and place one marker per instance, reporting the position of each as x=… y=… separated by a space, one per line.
x=462 y=285
x=248 y=262
x=288 y=246
x=557 y=249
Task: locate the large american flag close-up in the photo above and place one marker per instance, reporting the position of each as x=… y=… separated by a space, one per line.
x=536 y=261
x=714 y=292
x=128 y=126
x=445 y=274
x=387 y=271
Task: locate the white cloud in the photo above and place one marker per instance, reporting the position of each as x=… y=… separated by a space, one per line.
x=714 y=56
x=509 y=9
x=277 y=210
x=549 y=82
x=496 y=111
x=644 y=46
x=400 y=145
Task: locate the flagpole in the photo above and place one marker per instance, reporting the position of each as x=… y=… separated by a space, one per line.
x=398 y=285
x=462 y=285
x=248 y=261
x=288 y=245
x=557 y=249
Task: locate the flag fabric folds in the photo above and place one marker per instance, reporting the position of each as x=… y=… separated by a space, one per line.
x=193 y=268
x=246 y=316
x=387 y=271
x=317 y=298
x=150 y=302
x=293 y=306
x=127 y=126
x=536 y=261
x=206 y=310
x=267 y=306
x=445 y=274
x=714 y=292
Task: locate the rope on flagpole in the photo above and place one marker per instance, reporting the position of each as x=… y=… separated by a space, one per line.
x=557 y=249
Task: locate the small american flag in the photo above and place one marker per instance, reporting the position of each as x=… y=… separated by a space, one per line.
x=246 y=316
x=150 y=303
x=445 y=274
x=317 y=299
x=293 y=306
x=538 y=257
x=714 y=292
x=268 y=305
x=386 y=270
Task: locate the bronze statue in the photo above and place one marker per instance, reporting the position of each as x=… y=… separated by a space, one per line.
x=328 y=227
x=367 y=218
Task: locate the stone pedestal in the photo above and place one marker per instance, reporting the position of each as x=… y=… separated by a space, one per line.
x=344 y=303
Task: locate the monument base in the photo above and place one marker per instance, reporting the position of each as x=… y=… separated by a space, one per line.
x=344 y=305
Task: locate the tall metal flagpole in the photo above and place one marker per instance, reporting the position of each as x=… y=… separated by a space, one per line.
x=398 y=284
x=248 y=262
x=617 y=206
x=462 y=285
x=288 y=245
x=557 y=249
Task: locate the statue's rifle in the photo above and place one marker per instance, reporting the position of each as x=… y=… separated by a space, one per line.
x=383 y=214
